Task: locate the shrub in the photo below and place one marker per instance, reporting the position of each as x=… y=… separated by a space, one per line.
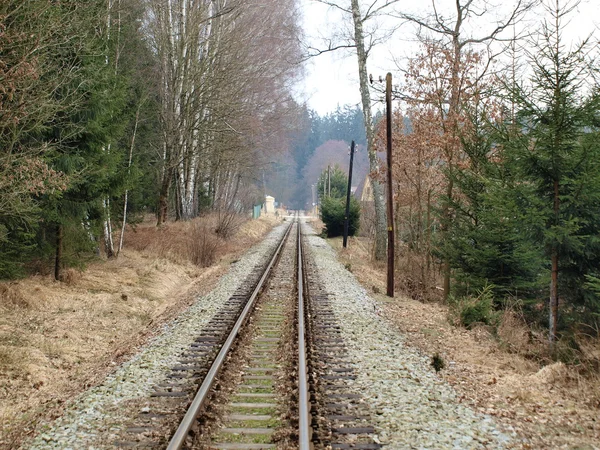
x=332 y=214
x=228 y=223
x=472 y=310
x=203 y=245
x=437 y=362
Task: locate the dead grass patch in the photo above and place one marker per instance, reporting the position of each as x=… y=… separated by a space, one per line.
x=11 y=297
x=58 y=338
x=201 y=241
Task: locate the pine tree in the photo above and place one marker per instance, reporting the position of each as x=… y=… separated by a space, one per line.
x=556 y=155
x=333 y=183
x=86 y=133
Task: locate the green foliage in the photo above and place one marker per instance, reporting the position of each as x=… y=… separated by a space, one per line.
x=490 y=239
x=16 y=247
x=471 y=310
x=556 y=152
x=334 y=184
x=333 y=213
x=65 y=141
x=32 y=34
x=437 y=362
x=530 y=190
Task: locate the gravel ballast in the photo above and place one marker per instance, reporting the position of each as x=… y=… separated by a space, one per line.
x=411 y=407
x=95 y=418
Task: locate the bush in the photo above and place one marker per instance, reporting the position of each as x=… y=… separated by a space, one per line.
x=470 y=310
x=332 y=214
x=228 y=223
x=204 y=245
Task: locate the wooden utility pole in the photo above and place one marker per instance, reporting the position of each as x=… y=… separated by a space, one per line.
x=348 y=191
x=390 y=207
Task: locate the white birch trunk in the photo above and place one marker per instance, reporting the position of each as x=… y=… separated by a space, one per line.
x=107 y=225
x=380 y=227
x=126 y=197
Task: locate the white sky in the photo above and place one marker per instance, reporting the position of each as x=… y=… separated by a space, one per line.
x=332 y=80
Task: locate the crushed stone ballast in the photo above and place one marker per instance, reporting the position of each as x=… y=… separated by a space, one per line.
x=367 y=389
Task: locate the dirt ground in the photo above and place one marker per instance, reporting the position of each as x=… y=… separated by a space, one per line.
x=548 y=407
x=59 y=338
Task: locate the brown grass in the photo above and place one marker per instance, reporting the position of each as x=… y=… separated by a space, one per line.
x=10 y=296
x=57 y=338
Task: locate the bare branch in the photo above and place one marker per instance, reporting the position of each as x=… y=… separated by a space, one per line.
x=334 y=5
x=374 y=10
x=313 y=51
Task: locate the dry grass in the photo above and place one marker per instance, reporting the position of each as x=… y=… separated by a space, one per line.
x=550 y=405
x=413 y=276
x=57 y=338
x=10 y=296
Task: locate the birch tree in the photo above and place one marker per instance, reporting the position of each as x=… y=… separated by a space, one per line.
x=362 y=38
x=227 y=71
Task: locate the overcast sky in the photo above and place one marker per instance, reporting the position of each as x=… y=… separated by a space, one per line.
x=331 y=78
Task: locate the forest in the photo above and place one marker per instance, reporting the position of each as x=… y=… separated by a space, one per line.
x=116 y=109
x=497 y=186
x=113 y=109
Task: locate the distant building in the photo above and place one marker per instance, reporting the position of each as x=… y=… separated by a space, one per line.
x=269 y=205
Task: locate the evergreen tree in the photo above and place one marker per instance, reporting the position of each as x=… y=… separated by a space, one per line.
x=87 y=135
x=557 y=154
x=491 y=242
x=332 y=188
x=31 y=34
x=333 y=183
x=333 y=211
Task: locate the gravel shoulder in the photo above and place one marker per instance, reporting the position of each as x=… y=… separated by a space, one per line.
x=538 y=406
x=411 y=406
x=484 y=398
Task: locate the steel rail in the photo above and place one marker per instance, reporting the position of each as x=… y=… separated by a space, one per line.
x=304 y=430
x=178 y=439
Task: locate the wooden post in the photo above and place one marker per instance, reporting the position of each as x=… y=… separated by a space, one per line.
x=390 y=207
x=58 y=254
x=348 y=191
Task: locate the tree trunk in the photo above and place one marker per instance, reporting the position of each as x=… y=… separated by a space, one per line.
x=445 y=228
x=163 y=198
x=554 y=297
x=428 y=243
x=553 y=325
x=109 y=245
x=126 y=197
x=107 y=225
x=380 y=215
x=58 y=254
x=451 y=148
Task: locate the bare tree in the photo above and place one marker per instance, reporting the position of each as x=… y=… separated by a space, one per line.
x=227 y=70
x=362 y=39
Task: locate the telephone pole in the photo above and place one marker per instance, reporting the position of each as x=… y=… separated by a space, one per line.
x=390 y=206
x=348 y=191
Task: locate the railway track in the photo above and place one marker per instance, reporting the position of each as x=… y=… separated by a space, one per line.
x=268 y=371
